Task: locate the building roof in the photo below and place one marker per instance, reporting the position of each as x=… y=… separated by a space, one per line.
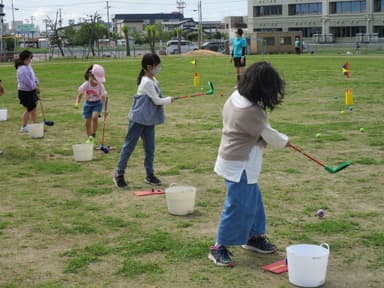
x=149 y=16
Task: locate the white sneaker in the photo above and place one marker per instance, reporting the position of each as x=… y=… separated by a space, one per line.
x=24 y=129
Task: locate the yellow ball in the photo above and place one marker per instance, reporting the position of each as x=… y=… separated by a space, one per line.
x=362 y=129
x=318 y=135
x=341 y=112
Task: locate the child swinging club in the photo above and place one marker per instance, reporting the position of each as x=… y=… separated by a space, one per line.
x=246 y=131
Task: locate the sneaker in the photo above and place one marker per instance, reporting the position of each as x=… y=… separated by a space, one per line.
x=152 y=179
x=24 y=129
x=260 y=244
x=119 y=181
x=90 y=140
x=220 y=255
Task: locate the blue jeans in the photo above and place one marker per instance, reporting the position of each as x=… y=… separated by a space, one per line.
x=243 y=214
x=147 y=134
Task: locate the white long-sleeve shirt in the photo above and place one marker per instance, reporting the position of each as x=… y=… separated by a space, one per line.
x=150 y=87
x=232 y=170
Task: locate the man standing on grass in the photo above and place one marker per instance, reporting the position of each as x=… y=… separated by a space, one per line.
x=297 y=45
x=239 y=49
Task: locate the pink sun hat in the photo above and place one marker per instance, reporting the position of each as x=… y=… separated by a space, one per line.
x=98 y=72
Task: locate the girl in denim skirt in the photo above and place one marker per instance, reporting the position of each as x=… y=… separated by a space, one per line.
x=95 y=96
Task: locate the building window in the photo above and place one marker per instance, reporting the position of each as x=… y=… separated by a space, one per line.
x=270 y=41
x=267 y=29
x=306 y=31
x=285 y=40
x=272 y=10
x=348 y=7
x=304 y=9
x=378 y=6
x=379 y=30
x=347 y=31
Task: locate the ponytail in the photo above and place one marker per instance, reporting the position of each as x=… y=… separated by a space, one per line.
x=141 y=74
x=18 y=62
x=88 y=72
x=22 y=56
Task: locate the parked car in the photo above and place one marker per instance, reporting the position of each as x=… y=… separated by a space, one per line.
x=185 y=46
x=217 y=46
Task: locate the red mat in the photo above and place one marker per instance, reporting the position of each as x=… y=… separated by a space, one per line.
x=149 y=192
x=276 y=267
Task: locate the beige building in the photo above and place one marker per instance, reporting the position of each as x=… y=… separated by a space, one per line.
x=323 y=21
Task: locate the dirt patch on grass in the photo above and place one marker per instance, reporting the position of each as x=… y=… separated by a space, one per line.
x=203 y=52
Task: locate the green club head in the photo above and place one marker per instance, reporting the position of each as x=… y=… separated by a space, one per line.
x=337 y=168
x=211 y=89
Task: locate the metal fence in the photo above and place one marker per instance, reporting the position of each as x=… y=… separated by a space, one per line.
x=119 y=52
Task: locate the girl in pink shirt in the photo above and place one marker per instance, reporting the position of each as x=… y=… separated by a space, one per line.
x=95 y=95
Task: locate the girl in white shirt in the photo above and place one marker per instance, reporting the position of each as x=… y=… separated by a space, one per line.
x=246 y=131
x=146 y=112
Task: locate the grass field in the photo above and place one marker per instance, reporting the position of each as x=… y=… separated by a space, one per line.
x=64 y=224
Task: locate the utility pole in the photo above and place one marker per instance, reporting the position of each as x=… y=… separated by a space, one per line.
x=200 y=32
x=109 y=25
x=2 y=14
x=13 y=18
x=60 y=19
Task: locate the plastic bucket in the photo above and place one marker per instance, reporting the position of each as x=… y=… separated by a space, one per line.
x=3 y=114
x=307 y=264
x=36 y=130
x=83 y=152
x=180 y=199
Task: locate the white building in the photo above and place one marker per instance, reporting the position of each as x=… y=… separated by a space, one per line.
x=322 y=20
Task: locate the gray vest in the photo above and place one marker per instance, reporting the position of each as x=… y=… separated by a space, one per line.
x=144 y=112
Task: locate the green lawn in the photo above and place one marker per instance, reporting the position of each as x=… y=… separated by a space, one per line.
x=64 y=224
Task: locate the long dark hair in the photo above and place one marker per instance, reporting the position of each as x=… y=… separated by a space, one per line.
x=88 y=72
x=22 y=56
x=261 y=84
x=151 y=59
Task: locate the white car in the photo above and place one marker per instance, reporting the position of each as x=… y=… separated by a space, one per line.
x=185 y=46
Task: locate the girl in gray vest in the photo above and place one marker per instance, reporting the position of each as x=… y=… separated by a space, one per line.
x=146 y=112
x=246 y=131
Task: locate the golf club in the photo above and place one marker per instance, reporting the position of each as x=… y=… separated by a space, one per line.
x=209 y=92
x=104 y=148
x=48 y=123
x=329 y=169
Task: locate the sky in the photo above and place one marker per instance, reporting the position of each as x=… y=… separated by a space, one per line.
x=35 y=11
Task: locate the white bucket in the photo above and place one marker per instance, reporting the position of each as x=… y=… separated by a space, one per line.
x=307 y=264
x=36 y=130
x=3 y=114
x=180 y=199
x=83 y=152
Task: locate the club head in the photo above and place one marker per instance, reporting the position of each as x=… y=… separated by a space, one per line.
x=338 y=168
x=104 y=148
x=211 y=88
x=49 y=123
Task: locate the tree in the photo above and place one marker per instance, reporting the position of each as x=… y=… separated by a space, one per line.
x=151 y=36
x=54 y=37
x=138 y=37
x=91 y=31
x=69 y=34
x=125 y=31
